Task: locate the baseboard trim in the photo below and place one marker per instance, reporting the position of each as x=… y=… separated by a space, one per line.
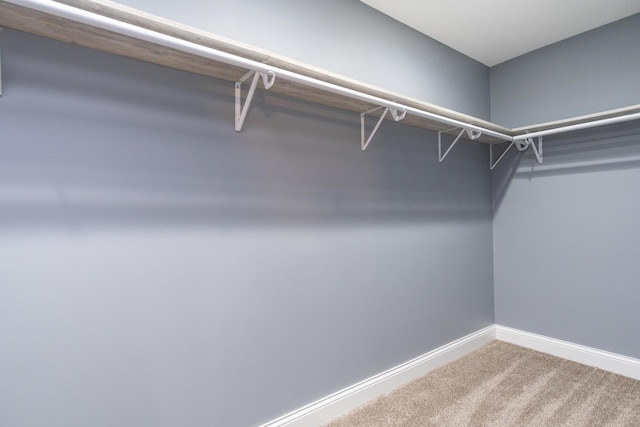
x=328 y=408
x=622 y=365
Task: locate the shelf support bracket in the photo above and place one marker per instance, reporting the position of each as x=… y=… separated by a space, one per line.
x=241 y=110
x=537 y=150
x=493 y=164
x=471 y=134
x=397 y=116
x=521 y=145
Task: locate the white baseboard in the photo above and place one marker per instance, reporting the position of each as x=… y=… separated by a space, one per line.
x=343 y=401
x=328 y=408
x=623 y=365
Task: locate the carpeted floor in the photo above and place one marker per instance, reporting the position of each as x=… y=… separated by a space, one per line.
x=506 y=385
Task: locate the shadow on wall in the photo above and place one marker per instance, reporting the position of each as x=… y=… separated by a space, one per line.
x=613 y=147
x=502 y=175
x=92 y=139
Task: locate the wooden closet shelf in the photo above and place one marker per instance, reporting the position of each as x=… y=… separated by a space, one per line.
x=34 y=20
x=54 y=27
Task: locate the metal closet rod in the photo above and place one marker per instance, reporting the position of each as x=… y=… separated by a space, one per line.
x=110 y=24
x=579 y=126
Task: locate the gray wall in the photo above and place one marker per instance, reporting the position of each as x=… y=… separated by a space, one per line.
x=592 y=72
x=567 y=240
x=158 y=268
x=566 y=234
x=345 y=37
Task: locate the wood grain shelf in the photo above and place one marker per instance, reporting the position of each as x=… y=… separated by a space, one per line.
x=52 y=26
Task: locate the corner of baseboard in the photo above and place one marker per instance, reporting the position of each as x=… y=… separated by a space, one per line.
x=612 y=362
x=333 y=406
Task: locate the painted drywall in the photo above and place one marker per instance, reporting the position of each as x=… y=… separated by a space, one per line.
x=567 y=239
x=592 y=72
x=159 y=268
x=345 y=37
x=565 y=232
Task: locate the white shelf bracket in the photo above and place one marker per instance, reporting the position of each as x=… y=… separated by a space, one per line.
x=471 y=134
x=395 y=114
x=493 y=164
x=538 y=150
x=241 y=110
x=523 y=144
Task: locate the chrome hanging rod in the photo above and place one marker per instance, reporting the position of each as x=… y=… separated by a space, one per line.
x=98 y=21
x=579 y=126
x=110 y=24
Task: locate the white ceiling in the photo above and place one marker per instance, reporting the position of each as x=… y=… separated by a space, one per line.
x=493 y=31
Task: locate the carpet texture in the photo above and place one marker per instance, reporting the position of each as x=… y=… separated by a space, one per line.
x=506 y=385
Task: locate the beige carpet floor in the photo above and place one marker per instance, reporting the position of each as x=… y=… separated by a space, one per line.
x=506 y=385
